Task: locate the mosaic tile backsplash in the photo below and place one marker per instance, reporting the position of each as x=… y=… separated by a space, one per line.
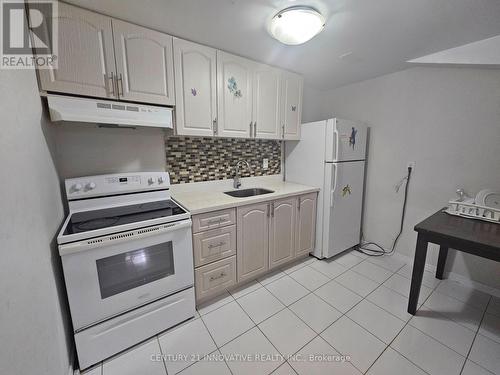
x=193 y=159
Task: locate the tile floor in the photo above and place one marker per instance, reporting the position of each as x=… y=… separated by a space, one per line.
x=351 y=306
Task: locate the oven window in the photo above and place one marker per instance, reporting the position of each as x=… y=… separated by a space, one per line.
x=122 y=272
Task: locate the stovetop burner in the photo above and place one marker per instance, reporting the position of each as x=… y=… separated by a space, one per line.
x=85 y=221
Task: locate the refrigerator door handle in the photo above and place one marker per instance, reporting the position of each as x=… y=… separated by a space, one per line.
x=336 y=143
x=334 y=185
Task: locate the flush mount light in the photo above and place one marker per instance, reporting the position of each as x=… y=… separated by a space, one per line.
x=296 y=25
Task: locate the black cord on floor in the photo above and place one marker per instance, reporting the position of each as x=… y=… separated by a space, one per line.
x=379 y=250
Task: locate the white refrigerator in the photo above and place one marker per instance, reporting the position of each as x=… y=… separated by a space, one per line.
x=331 y=156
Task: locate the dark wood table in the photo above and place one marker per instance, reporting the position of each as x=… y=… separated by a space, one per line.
x=471 y=236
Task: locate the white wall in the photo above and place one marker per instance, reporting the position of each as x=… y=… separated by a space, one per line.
x=445 y=119
x=85 y=150
x=33 y=315
x=312 y=104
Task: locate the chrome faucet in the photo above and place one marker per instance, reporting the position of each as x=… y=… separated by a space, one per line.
x=236 y=179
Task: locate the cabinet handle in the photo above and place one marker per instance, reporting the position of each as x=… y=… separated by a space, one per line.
x=215 y=128
x=217 y=245
x=300 y=201
x=215 y=221
x=267 y=210
x=251 y=129
x=120 y=80
x=272 y=209
x=110 y=88
x=222 y=274
x=255 y=129
x=283 y=131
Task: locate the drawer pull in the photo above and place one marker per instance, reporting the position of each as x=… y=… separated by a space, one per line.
x=216 y=221
x=216 y=245
x=222 y=274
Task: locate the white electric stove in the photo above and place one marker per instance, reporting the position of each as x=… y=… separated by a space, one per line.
x=126 y=251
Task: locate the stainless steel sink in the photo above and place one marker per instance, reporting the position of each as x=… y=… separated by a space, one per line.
x=248 y=192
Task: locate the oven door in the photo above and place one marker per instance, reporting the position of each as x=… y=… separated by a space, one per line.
x=110 y=275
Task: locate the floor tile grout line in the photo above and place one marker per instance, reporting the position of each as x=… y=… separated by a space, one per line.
x=162 y=354
x=363 y=298
x=288 y=307
x=424 y=333
x=230 y=295
x=345 y=314
x=434 y=289
x=458 y=300
x=450 y=318
x=475 y=336
x=267 y=338
x=216 y=345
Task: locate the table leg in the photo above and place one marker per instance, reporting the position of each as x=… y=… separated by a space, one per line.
x=417 y=274
x=443 y=253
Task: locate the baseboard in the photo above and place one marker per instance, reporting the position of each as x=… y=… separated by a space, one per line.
x=458 y=278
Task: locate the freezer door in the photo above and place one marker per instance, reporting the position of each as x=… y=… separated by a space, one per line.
x=346 y=140
x=342 y=209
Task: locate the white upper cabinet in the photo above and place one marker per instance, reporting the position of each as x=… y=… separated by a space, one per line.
x=195 y=69
x=85 y=57
x=291 y=105
x=144 y=63
x=215 y=93
x=234 y=88
x=266 y=101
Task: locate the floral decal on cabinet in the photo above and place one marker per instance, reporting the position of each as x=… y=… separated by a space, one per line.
x=346 y=190
x=194 y=92
x=233 y=87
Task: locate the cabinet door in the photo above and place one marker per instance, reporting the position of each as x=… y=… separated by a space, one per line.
x=282 y=231
x=144 y=64
x=291 y=105
x=305 y=224
x=252 y=240
x=195 y=88
x=234 y=88
x=266 y=106
x=85 y=55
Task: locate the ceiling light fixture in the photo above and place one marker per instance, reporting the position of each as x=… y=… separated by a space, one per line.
x=296 y=25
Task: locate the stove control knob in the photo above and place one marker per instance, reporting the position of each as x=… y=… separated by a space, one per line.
x=161 y=180
x=76 y=187
x=151 y=180
x=90 y=186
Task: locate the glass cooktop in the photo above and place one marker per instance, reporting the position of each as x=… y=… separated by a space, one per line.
x=80 y=222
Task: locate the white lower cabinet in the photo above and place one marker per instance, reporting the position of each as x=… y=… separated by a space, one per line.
x=282 y=231
x=255 y=239
x=214 y=244
x=252 y=240
x=305 y=228
x=215 y=277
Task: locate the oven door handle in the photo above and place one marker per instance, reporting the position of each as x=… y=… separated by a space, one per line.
x=129 y=235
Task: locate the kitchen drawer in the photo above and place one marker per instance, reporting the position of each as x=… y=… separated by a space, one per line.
x=215 y=277
x=215 y=219
x=214 y=244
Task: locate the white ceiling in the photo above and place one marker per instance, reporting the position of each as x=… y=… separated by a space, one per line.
x=362 y=38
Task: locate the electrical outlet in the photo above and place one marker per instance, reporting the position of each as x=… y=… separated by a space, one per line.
x=412 y=165
x=265 y=163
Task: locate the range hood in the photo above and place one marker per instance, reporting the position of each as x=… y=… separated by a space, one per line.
x=67 y=108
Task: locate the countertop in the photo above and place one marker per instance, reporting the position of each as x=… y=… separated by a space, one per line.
x=206 y=197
